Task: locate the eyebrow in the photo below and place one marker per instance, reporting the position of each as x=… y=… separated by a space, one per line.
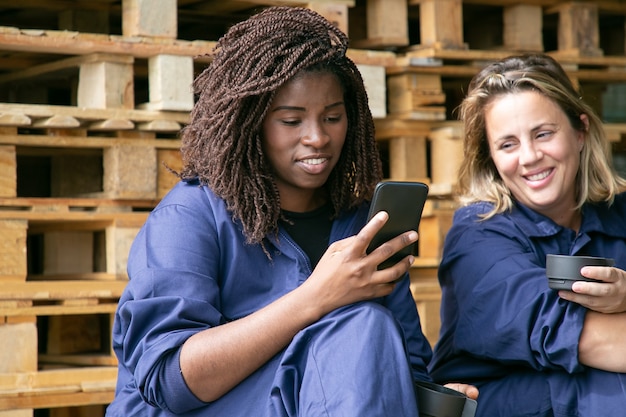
x=296 y=108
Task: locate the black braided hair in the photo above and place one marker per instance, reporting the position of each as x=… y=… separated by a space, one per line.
x=221 y=146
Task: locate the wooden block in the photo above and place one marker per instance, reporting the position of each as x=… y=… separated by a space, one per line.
x=165 y=178
x=411 y=91
x=387 y=23
x=523 y=24
x=14 y=119
x=334 y=12
x=106 y=82
x=13 y=265
x=375 y=85
x=57 y=121
x=446 y=154
x=118 y=242
x=157 y=18
x=441 y=23
x=130 y=171
x=407 y=157
x=67 y=252
x=170 y=79
x=112 y=125
x=579 y=32
x=8 y=171
x=19 y=347
x=167 y=126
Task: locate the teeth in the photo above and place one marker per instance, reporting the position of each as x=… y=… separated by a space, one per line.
x=539 y=176
x=314 y=161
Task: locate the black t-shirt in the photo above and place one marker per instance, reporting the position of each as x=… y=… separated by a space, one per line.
x=310 y=230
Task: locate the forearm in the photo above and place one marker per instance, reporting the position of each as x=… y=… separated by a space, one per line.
x=215 y=360
x=602 y=342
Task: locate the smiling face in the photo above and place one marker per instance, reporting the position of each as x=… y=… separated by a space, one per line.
x=303 y=135
x=536 y=152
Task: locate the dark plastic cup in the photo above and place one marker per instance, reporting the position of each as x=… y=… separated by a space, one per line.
x=436 y=400
x=563 y=270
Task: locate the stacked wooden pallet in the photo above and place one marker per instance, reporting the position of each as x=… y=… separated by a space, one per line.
x=93 y=95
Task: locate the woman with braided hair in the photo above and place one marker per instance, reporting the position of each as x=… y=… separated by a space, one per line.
x=250 y=290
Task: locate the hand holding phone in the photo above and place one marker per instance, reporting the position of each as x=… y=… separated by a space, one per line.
x=404 y=202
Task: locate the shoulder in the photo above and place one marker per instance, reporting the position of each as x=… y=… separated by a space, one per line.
x=191 y=195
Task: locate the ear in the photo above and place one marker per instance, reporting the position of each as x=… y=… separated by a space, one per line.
x=582 y=135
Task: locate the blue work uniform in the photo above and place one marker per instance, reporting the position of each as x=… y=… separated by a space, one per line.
x=190 y=269
x=504 y=330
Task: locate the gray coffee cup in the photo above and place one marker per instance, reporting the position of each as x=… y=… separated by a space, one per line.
x=563 y=270
x=436 y=400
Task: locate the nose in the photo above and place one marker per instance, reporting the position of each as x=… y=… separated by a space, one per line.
x=315 y=135
x=529 y=152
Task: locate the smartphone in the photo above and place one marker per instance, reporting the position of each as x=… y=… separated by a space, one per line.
x=404 y=202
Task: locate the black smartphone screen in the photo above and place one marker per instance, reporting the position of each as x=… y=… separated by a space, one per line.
x=404 y=202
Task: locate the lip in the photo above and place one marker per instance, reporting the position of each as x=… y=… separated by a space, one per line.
x=541 y=176
x=314 y=164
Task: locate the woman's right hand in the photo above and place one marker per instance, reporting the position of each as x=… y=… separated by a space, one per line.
x=607 y=296
x=346 y=273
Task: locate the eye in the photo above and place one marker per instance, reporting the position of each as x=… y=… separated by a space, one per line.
x=334 y=118
x=506 y=145
x=290 y=122
x=544 y=134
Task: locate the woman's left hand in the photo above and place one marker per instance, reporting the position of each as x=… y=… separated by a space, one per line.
x=607 y=296
x=469 y=390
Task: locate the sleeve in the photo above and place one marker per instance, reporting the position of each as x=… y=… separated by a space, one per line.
x=402 y=305
x=172 y=294
x=495 y=289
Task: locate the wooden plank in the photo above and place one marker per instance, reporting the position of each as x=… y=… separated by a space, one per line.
x=61 y=290
x=79 y=360
x=74 y=43
x=89 y=276
x=38 y=111
x=52 y=204
x=63 y=64
x=57 y=309
x=86 y=142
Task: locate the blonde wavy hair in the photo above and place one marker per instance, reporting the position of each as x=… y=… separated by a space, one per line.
x=479 y=180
